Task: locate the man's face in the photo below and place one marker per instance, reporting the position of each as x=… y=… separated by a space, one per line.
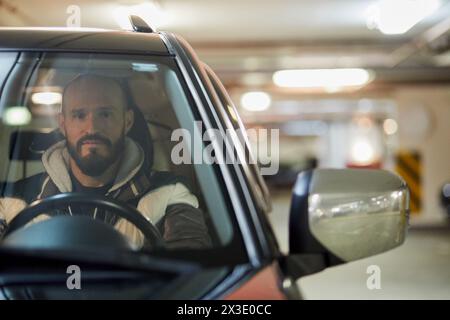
x=94 y=121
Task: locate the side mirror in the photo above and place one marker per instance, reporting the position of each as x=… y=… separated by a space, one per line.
x=341 y=215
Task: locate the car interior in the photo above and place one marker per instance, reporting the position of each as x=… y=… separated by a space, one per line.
x=154 y=117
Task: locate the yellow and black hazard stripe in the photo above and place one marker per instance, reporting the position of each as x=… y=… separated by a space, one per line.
x=409 y=166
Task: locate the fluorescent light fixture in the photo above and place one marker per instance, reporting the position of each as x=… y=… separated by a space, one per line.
x=398 y=16
x=321 y=78
x=144 y=67
x=333 y=89
x=255 y=101
x=16 y=116
x=390 y=126
x=47 y=98
x=150 y=12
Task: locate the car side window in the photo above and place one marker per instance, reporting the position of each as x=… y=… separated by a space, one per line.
x=7 y=60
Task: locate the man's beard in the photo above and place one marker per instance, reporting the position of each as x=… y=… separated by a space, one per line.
x=95 y=164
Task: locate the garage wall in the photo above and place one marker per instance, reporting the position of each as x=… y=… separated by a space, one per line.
x=424 y=125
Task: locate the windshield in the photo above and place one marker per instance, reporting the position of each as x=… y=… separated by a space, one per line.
x=111 y=126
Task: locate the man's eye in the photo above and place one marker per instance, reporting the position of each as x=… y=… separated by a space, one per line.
x=79 y=115
x=105 y=114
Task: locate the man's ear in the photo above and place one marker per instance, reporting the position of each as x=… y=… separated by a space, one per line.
x=129 y=120
x=61 y=123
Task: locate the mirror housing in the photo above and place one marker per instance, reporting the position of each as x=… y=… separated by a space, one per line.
x=342 y=215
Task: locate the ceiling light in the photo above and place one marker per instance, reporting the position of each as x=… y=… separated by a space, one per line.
x=255 y=101
x=144 y=67
x=321 y=78
x=47 y=98
x=362 y=152
x=398 y=16
x=16 y=116
x=390 y=126
x=333 y=89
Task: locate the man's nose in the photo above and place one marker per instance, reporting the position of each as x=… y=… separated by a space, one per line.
x=92 y=123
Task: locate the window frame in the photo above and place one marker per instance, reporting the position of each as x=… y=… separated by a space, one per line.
x=224 y=250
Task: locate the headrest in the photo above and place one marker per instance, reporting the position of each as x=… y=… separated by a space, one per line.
x=30 y=145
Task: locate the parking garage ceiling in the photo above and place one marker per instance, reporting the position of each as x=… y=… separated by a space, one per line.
x=246 y=41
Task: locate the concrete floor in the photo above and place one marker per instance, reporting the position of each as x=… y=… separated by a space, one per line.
x=419 y=269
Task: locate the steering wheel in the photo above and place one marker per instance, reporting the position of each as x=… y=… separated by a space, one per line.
x=122 y=210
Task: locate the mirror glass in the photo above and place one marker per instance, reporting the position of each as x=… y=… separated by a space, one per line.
x=357 y=213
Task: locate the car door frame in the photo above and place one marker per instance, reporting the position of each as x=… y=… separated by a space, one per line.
x=258 y=235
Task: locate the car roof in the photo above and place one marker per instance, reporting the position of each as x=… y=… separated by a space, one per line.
x=81 y=39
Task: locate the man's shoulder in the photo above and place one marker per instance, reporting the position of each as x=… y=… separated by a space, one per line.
x=167 y=189
x=158 y=179
x=168 y=185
